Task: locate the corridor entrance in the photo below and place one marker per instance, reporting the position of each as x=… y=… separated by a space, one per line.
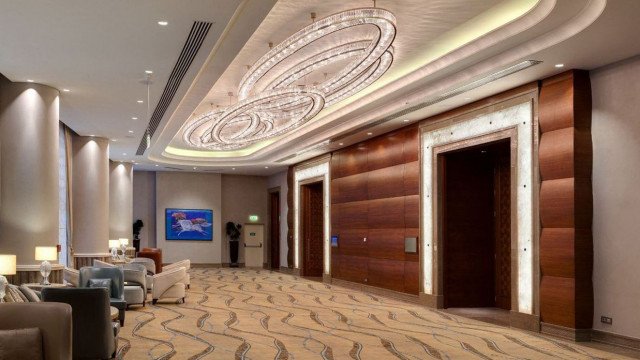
x=312 y=221
x=476 y=226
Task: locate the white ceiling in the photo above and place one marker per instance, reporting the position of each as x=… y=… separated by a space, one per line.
x=99 y=50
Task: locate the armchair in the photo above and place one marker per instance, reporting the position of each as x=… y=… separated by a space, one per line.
x=53 y=320
x=169 y=284
x=116 y=292
x=71 y=276
x=95 y=336
x=182 y=263
x=150 y=265
x=154 y=254
x=135 y=283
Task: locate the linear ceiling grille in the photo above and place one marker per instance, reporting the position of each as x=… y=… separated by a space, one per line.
x=196 y=37
x=444 y=96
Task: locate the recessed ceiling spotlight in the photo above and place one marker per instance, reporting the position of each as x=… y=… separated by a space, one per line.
x=369 y=133
x=66 y=90
x=148 y=72
x=134 y=118
x=559 y=65
x=405 y=120
x=140 y=101
x=125 y=154
x=163 y=23
x=194 y=168
x=92 y=135
x=114 y=140
x=157 y=165
x=266 y=167
x=29 y=80
x=130 y=131
x=340 y=144
x=233 y=168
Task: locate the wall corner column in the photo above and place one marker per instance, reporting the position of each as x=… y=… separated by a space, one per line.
x=566 y=205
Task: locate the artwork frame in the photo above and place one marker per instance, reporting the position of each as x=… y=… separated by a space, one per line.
x=188 y=224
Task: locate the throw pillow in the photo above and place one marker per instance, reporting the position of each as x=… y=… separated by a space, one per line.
x=31 y=295
x=21 y=344
x=100 y=283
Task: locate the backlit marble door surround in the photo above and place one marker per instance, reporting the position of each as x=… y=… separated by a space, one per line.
x=515 y=119
x=316 y=170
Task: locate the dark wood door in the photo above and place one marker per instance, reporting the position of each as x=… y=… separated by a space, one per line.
x=274 y=208
x=476 y=244
x=502 y=203
x=312 y=228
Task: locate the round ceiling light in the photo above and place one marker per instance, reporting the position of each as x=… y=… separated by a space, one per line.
x=270 y=101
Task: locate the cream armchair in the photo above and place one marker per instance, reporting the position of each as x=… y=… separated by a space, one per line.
x=182 y=263
x=71 y=276
x=169 y=284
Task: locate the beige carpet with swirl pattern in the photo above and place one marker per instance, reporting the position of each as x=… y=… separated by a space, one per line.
x=252 y=314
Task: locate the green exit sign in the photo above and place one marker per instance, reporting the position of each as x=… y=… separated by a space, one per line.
x=253 y=217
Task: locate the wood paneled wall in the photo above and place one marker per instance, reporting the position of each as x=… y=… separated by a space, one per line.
x=375 y=195
x=566 y=207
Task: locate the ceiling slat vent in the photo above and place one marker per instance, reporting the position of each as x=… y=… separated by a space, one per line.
x=444 y=96
x=194 y=41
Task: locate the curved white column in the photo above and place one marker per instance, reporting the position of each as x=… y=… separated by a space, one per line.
x=120 y=200
x=90 y=195
x=29 y=120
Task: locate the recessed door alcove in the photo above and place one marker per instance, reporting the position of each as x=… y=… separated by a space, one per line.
x=476 y=226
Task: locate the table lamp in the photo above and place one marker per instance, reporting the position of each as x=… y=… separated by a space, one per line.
x=7 y=267
x=113 y=246
x=124 y=242
x=46 y=253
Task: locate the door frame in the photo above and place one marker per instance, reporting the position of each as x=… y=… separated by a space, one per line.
x=439 y=153
x=274 y=243
x=486 y=121
x=301 y=185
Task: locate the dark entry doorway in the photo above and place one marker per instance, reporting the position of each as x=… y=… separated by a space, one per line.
x=274 y=229
x=312 y=217
x=476 y=226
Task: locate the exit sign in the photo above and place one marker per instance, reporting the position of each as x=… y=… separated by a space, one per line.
x=253 y=217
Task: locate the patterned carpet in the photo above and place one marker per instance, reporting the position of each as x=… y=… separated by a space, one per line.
x=251 y=314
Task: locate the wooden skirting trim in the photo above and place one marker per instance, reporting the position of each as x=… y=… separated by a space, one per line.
x=286 y=270
x=524 y=321
x=414 y=299
x=432 y=301
x=615 y=339
x=565 y=332
x=203 y=265
x=226 y=265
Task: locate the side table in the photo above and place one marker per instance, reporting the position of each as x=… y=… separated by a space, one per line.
x=39 y=287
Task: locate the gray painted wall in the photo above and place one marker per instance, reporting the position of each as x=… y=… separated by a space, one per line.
x=616 y=198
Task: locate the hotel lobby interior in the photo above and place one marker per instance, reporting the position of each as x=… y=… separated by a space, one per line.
x=319 y=179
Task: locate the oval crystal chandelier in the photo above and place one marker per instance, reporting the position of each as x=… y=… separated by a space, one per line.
x=270 y=103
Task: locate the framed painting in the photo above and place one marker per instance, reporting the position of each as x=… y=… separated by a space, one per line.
x=189 y=224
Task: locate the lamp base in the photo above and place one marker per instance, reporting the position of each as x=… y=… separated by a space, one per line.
x=3 y=285
x=45 y=271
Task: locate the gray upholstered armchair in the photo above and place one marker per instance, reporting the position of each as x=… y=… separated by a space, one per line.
x=88 y=277
x=135 y=283
x=150 y=265
x=95 y=335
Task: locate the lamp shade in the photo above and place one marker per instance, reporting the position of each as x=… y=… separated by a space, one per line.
x=7 y=264
x=46 y=253
x=124 y=241
x=114 y=244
